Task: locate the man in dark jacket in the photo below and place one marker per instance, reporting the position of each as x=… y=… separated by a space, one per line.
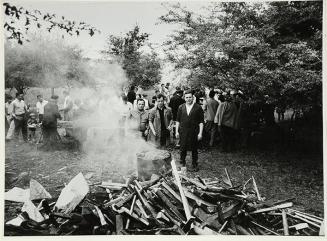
x=210 y=107
x=174 y=103
x=131 y=95
x=49 y=123
x=189 y=127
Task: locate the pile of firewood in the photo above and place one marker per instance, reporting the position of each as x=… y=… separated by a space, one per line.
x=171 y=203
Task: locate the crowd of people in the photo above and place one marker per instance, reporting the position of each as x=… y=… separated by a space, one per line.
x=187 y=118
x=23 y=119
x=181 y=117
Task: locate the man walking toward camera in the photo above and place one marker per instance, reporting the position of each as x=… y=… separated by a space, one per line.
x=160 y=121
x=189 y=127
x=139 y=120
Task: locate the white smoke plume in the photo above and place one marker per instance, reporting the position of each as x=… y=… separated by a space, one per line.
x=106 y=139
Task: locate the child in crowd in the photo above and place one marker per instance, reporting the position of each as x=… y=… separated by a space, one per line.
x=31 y=125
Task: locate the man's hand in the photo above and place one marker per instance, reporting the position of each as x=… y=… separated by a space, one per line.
x=177 y=135
x=146 y=132
x=199 y=137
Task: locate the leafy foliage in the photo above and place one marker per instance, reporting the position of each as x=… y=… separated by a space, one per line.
x=141 y=68
x=263 y=49
x=18 y=15
x=44 y=63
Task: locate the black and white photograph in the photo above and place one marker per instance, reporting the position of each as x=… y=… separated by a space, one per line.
x=163 y=118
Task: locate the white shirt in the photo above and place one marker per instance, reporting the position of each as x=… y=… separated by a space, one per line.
x=19 y=107
x=67 y=99
x=127 y=108
x=40 y=106
x=9 y=108
x=189 y=108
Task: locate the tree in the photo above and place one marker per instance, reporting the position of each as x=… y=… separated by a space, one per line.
x=141 y=68
x=44 y=63
x=18 y=16
x=261 y=49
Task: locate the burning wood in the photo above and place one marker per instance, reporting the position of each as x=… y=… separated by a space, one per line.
x=169 y=203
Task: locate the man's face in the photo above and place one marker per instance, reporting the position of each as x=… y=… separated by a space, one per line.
x=21 y=97
x=40 y=98
x=140 y=105
x=160 y=102
x=189 y=98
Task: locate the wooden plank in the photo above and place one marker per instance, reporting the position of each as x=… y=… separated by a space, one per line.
x=169 y=204
x=184 y=200
x=204 y=231
x=307 y=214
x=256 y=189
x=305 y=220
x=130 y=212
x=133 y=215
x=228 y=178
x=309 y=218
x=196 y=183
x=198 y=200
x=145 y=203
x=281 y=206
x=222 y=227
x=263 y=227
x=168 y=188
x=119 y=223
x=285 y=223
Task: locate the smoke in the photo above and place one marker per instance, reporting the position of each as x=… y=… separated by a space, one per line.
x=107 y=138
x=107 y=142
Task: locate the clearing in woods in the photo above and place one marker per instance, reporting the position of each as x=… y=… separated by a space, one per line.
x=278 y=176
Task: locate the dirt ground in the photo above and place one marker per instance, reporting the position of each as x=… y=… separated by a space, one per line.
x=278 y=176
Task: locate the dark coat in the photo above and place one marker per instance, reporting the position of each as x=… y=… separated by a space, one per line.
x=154 y=117
x=189 y=126
x=51 y=114
x=174 y=103
x=131 y=96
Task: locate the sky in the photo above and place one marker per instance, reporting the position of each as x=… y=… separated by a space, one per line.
x=112 y=18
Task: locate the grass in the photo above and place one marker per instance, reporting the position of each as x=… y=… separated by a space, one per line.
x=279 y=176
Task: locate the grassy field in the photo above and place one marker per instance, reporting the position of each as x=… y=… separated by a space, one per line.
x=279 y=176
